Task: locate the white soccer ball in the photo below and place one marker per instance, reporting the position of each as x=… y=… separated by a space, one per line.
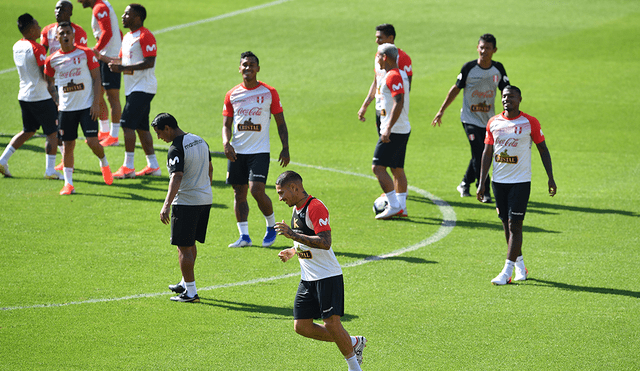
x=380 y=204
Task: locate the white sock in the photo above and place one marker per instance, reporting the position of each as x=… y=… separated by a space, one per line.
x=191 y=288
x=152 y=161
x=115 y=128
x=402 y=200
x=354 y=340
x=520 y=263
x=103 y=161
x=271 y=220
x=68 y=175
x=7 y=154
x=128 y=159
x=393 y=199
x=243 y=227
x=508 y=267
x=104 y=125
x=353 y=364
x=51 y=163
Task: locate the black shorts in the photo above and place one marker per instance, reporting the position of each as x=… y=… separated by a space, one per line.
x=511 y=199
x=391 y=154
x=319 y=299
x=68 y=124
x=189 y=224
x=248 y=168
x=110 y=80
x=135 y=114
x=43 y=113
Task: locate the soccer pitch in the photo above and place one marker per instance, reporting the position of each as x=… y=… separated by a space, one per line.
x=85 y=277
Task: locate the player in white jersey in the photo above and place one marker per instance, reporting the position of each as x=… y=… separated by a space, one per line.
x=188 y=200
x=104 y=23
x=137 y=61
x=63 y=12
x=74 y=70
x=480 y=79
x=395 y=129
x=37 y=106
x=321 y=289
x=247 y=114
x=508 y=145
x=385 y=34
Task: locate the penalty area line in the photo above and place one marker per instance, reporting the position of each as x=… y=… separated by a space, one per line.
x=447 y=225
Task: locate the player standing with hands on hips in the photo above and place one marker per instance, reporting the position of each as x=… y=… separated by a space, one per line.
x=321 y=290
x=188 y=200
x=245 y=136
x=508 y=142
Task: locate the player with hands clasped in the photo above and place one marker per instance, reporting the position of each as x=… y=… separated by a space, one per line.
x=245 y=136
x=321 y=290
x=508 y=145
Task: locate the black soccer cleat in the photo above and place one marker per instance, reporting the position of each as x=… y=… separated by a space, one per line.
x=177 y=288
x=184 y=298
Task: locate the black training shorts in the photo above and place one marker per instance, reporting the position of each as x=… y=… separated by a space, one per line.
x=391 y=154
x=189 y=224
x=110 y=80
x=246 y=168
x=43 y=113
x=319 y=299
x=135 y=114
x=511 y=199
x=68 y=124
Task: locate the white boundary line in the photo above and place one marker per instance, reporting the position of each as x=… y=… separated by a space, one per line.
x=448 y=223
x=195 y=23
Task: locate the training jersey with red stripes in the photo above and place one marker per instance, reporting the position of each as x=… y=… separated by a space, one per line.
x=72 y=74
x=48 y=37
x=311 y=219
x=480 y=84
x=190 y=155
x=512 y=140
x=251 y=110
x=404 y=64
x=29 y=56
x=137 y=45
x=394 y=82
x=104 y=23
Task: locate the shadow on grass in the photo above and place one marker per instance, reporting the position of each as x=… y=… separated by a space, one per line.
x=406 y=259
x=595 y=290
x=281 y=313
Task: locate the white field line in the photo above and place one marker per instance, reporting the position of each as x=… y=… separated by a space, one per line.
x=195 y=23
x=448 y=223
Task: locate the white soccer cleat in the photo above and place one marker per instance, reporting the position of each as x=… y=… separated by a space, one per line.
x=4 y=170
x=54 y=175
x=243 y=241
x=501 y=279
x=389 y=212
x=361 y=342
x=521 y=275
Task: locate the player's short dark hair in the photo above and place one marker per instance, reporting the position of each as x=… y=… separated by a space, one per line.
x=164 y=119
x=140 y=11
x=489 y=38
x=24 y=22
x=249 y=54
x=387 y=29
x=65 y=24
x=288 y=177
x=513 y=88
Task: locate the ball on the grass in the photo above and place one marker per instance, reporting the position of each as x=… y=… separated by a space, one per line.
x=380 y=204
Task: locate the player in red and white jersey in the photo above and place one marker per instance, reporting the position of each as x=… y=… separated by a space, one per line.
x=74 y=70
x=37 y=106
x=245 y=136
x=508 y=145
x=385 y=34
x=137 y=61
x=395 y=129
x=63 y=12
x=104 y=23
x=321 y=289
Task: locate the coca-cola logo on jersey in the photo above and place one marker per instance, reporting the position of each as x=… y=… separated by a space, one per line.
x=483 y=94
x=510 y=142
x=255 y=111
x=74 y=72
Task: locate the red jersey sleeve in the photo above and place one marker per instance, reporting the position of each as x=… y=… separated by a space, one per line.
x=148 y=44
x=319 y=216
x=276 y=106
x=92 y=61
x=81 y=36
x=39 y=52
x=227 y=108
x=404 y=62
x=44 y=40
x=394 y=82
x=48 y=70
x=536 y=131
x=488 y=138
x=101 y=12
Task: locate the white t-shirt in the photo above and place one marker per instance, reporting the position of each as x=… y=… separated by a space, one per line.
x=394 y=82
x=72 y=74
x=28 y=57
x=135 y=47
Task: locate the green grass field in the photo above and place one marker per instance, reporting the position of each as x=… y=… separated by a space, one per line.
x=85 y=277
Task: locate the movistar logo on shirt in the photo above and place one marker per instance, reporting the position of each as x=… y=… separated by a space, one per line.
x=151 y=48
x=396 y=87
x=102 y=15
x=324 y=221
x=173 y=161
